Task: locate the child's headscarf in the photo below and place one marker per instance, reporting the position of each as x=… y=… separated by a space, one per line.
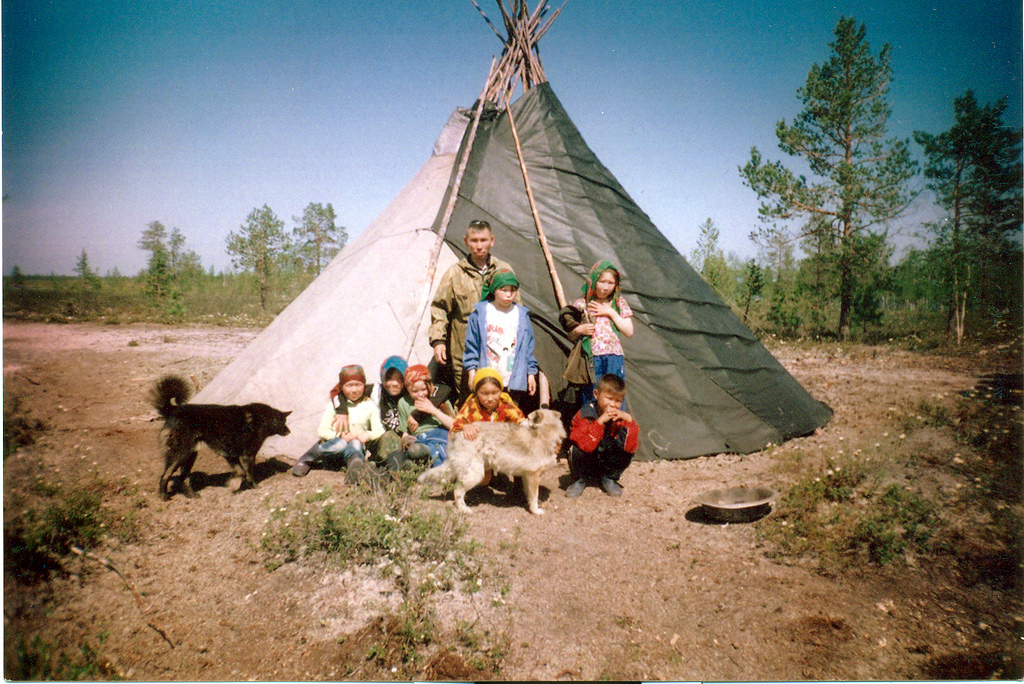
x=590 y=286
x=416 y=373
x=498 y=280
x=396 y=362
x=353 y=372
x=590 y=291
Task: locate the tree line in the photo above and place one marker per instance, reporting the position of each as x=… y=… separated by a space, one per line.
x=261 y=247
x=838 y=215
x=860 y=182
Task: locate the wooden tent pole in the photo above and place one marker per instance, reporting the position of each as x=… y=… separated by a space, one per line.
x=559 y=293
x=450 y=208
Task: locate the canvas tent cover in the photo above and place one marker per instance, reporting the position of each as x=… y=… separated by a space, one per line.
x=699 y=382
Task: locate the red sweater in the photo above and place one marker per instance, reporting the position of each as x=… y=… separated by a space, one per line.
x=587 y=433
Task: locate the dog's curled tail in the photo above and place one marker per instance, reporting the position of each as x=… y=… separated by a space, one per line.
x=169 y=392
x=441 y=473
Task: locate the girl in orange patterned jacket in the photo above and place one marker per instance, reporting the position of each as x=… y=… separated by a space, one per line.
x=488 y=402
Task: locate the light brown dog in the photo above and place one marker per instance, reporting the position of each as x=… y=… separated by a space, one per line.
x=524 y=450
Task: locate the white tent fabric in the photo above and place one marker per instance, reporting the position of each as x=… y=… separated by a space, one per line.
x=361 y=309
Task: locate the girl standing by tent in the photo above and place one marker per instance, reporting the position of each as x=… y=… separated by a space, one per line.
x=608 y=314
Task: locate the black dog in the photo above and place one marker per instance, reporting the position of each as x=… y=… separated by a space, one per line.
x=237 y=432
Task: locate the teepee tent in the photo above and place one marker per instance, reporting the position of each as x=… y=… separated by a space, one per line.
x=698 y=380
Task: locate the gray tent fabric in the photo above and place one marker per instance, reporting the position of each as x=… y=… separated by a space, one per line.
x=698 y=381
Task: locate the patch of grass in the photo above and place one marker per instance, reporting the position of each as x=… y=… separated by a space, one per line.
x=374 y=525
x=39 y=535
x=838 y=516
x=19 y=429
x=995 y=430
x=898 y=520
x=836 y=484
x=36 y=659
x=925 y=412
x=848 y=511
x=422 y=551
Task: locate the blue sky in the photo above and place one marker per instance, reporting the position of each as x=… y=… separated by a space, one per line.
x=118 y=113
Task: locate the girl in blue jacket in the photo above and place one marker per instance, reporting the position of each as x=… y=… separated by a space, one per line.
x=500 y=336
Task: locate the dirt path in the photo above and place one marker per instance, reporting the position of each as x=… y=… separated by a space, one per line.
x=637 y=587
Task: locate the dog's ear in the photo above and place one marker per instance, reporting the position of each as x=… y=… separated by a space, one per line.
x=536 y=418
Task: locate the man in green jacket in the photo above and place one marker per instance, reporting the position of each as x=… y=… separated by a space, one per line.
x=456 y=295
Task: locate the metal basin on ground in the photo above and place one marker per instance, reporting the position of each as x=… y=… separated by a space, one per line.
x=737 y=504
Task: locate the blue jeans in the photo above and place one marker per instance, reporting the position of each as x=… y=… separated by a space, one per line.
x=609 y=363
x=435 y=439
x=603 y=365
x=337 y=451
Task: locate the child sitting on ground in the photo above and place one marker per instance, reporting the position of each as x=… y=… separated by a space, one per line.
x=392 y=389
x=425 y=417
x=603 y=439
x=346 y=447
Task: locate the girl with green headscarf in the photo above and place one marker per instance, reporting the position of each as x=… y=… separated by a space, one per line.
x=606 y=314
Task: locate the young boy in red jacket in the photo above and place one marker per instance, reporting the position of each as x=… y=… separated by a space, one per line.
x=604 y=439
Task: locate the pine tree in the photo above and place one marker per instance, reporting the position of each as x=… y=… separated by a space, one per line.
x=158 y=268
x=859 y=177
x=708 y=258
x=259 y=247
x=974 y=171
x=318 y=238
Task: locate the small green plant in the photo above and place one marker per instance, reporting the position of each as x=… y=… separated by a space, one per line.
x=836 y=484
x=837 y=516
x=899 y=521
x=925 y=412
x=422 y=551
x=996 y=430
x=376 y=523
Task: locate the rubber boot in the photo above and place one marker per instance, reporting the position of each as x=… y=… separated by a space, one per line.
x=305 y=462
x=575 y=489
x=579 y=482
x=419 y=452
x=357 y=470
x=611 y=487
x=395 y=460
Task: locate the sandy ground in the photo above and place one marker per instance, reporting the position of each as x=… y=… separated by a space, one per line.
x=636 y=587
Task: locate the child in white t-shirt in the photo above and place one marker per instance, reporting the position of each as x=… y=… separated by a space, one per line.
x=500 y=336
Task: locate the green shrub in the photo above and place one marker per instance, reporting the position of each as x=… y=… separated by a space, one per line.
x=375 y=524
x=421 y=550
x=19 y=430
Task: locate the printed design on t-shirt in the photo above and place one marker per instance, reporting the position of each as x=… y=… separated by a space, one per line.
x=501 y=340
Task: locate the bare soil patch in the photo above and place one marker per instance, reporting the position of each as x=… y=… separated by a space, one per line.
x=636 y=587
